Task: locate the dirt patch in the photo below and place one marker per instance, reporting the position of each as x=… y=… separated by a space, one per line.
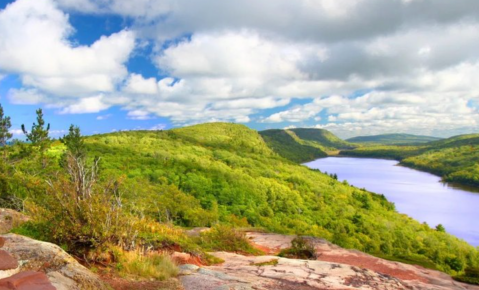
x=124 y=284
x=372 y=264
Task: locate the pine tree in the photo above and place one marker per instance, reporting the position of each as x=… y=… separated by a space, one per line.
x=39 y=133
x=74 y=142
x=5 y=134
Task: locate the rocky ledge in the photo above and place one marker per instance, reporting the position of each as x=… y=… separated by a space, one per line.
x=335 y=268
x=29 y=264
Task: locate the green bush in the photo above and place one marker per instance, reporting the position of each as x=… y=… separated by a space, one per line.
x=301 y=248
x=226 y=238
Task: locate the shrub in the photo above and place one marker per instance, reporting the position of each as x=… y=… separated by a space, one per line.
x=301 y=248
x=226 y=238
x=138 y=264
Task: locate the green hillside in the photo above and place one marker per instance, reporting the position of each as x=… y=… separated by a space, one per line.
x=456 y=159
x=283 y=143
x=226 y=173
x=456 y=141
x=301 y=145
x=393 y=139
x=323 y=138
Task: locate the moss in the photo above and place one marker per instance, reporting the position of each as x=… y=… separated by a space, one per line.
x=273 y=262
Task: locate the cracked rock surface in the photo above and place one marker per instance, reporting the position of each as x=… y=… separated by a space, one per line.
x=336 y=268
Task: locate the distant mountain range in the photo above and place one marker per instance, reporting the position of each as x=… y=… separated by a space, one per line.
x=394 y=139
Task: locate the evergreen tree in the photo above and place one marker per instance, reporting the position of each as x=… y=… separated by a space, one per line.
x=5 y=134
x=39 y=133
x=74 y=142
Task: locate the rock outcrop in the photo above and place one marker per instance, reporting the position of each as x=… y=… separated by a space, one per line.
x=10 y=219
x=28 y=280
x=416 y=277
x=335 y=268
x=62 y=270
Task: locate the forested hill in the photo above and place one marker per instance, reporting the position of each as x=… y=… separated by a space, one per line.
x=207 y=174
x=322 y=138
x=456 y=159
x=393 y=139
x=287 y=145
x=304 y=144
x=198 y=175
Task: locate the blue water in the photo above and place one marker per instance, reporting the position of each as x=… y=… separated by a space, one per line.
x=418 y=194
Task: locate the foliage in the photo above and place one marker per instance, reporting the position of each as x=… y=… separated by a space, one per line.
x=225 y=238
x=322 y=137
x=440 y=228
x=393 y=139
x=455 y=164
x=203 y=175
x=272 y=262
x=286 y=146
x=302 y=145
x=5 y=135
x=471 y=276
x=137 y=264
x=301 y=248
x=39 y=132
x=231 y=171
x=74 y=142
x=384 y=151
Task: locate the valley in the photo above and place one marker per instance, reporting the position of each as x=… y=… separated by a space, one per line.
x=218 y=175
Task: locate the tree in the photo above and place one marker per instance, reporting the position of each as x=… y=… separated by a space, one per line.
x=5 y=134
x=39 y=133
x=440 y=228
x=74 y=142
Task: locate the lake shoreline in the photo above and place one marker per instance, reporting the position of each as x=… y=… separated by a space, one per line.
x=459 y=185
x=421 y=195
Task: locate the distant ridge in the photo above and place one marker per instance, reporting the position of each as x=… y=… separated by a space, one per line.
x=284 y=144
x=394 y=139
x=304 y=144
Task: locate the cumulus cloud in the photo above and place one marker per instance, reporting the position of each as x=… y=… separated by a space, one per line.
x=321 y=21
x=360 y=66
x=86 y=105
x=35 y=45
x=26 y=96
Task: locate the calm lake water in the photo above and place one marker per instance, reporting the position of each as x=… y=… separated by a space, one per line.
x=418 y=194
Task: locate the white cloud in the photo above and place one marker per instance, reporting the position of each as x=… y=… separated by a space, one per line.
x=139 y=115
x=242 y=57
x=321 y=21
x=26 y=96
x=35 y=45
x=86 y=105
x=158 y=127
x=136 y=84
x=16 y=132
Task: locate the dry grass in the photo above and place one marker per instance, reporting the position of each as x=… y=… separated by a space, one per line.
x=136 y=264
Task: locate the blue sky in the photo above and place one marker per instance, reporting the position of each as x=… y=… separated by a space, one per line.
x=109 y=65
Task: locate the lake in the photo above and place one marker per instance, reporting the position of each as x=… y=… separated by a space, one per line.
x=418 y=194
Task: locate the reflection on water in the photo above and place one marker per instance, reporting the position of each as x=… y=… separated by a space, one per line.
x=421 y=195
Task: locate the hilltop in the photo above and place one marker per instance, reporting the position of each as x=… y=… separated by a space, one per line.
x=393 y=139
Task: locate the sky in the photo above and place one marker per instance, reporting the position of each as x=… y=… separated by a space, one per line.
x=354 y=67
